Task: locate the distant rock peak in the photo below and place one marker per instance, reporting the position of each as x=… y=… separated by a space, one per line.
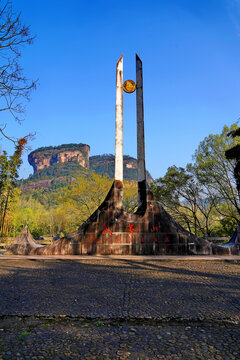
x=74 y=154
x=43 y=158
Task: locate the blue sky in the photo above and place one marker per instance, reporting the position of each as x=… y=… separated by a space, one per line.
x=190 y=52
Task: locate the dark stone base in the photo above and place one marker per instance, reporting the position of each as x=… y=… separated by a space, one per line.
x=111 y=231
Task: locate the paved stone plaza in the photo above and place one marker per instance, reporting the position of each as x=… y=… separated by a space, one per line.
x=119 y=309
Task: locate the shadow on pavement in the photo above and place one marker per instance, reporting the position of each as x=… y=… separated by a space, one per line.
x=119 y=289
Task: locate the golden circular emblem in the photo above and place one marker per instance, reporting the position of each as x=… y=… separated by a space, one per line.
x=129 y=86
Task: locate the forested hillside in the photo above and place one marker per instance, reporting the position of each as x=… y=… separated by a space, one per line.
x=202 y=197
x=57 y=173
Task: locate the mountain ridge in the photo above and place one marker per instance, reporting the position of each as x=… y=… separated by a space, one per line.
x=63 y=163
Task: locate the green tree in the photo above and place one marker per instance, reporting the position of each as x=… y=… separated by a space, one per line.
x=203 y=197
x=130 y=196
x=30 y=212
x=216 y=173
x=183 y=197
x=62 y=209
x=8 y=179
x=86 y=193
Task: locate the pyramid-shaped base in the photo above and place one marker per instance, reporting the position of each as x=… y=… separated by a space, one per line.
x=111 y=231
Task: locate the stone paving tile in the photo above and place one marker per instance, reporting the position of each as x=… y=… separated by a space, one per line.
x=98 y=340
x=115 y=288
x=119 y=309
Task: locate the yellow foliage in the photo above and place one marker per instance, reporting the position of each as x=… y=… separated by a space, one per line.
x=72 y=205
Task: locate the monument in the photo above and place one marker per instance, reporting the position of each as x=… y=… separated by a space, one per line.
x=112 y=231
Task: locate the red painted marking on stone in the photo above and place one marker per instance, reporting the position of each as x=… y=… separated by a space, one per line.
x=94 y=240
x=118 y=239
x=131 y=228
x=167 y=239
x=142 y=240
x=155 y=239
x=106 y=230
x=154 y=229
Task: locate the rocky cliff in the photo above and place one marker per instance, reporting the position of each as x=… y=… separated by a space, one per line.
x=43 y=158
x=64 y=163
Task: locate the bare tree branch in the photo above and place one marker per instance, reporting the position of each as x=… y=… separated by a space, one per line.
x=15 y=88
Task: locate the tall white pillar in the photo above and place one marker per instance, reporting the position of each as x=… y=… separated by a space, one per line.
x=140 y=134
x=119 y=122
